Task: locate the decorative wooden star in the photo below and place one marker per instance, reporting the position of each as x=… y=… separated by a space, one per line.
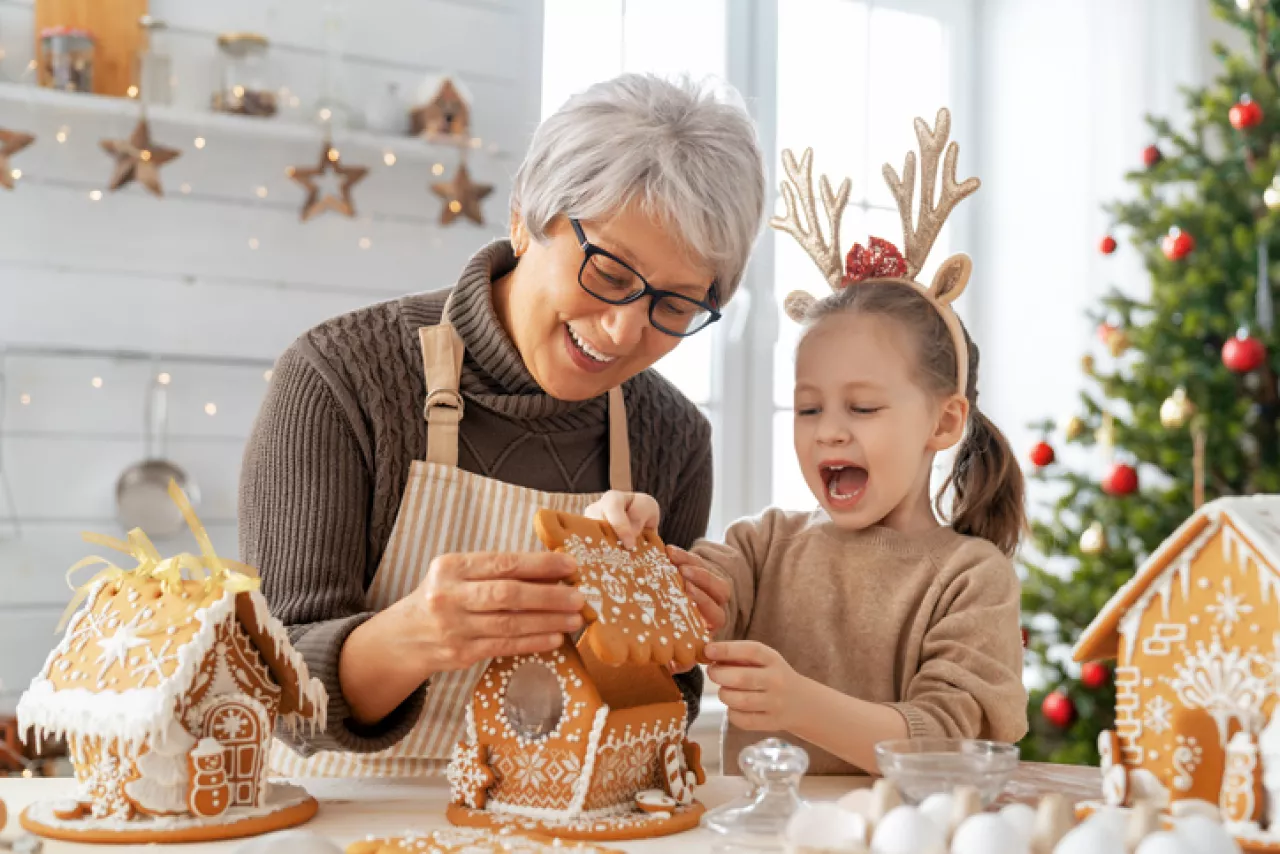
x=138 y=158
x=11 y=142
x=461 y=197
x=318 y=201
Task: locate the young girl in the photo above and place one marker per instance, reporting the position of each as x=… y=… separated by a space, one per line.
x=866 y=620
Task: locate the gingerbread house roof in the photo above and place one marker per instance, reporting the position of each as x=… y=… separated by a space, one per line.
x=1252 y=524
x=432 y=84
x=637 y=611
x=136 y=646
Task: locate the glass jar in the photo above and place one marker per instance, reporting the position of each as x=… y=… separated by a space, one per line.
x=66 y=59
x=756 y=821
x=245 y=85
x=155 y=70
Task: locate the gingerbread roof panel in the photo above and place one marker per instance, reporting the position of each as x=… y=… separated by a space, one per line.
x=1254 y=523
x=637 y=607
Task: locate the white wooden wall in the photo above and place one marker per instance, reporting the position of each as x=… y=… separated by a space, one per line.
x=179 y=276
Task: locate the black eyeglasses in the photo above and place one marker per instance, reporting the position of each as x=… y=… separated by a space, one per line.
x=610 y=279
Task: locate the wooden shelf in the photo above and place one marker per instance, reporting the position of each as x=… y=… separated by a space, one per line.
x=207 y=121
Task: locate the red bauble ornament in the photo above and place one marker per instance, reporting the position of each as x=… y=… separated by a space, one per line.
x=1177 y=244
x=1058 y=709
x=1121 y=480
x=1041 y=454
x=1026 y=637
x=1245 y=114
x=1108 y=245
x=1151 y=155
x=1093 y=674
x=1243 y=353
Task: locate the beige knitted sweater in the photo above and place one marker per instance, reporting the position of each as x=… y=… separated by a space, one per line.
x=926 y=624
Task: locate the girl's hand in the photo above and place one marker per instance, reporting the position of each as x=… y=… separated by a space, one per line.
x=629 y=513
x=709 y=591
x=757 y=686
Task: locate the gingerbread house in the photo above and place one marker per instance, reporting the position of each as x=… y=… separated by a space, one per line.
x=167 y=686
x=588 y=741
x=1195 y=635
x=443 y=109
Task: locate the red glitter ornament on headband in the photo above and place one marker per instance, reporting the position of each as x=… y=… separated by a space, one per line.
x=879 y=260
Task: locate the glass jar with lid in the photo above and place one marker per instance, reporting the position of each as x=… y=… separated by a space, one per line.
x=245 y=83
x=66 y=59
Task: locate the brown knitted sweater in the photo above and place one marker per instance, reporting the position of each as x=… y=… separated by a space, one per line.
x=329 y=456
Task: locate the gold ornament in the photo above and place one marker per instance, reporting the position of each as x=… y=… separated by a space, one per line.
x=138 y=158
x=1094 y=539
x=1087 y=364
x=1176 y=409
x=1118 y=342
x=461 y=197
x=1105 y=435
x=11 y=142
x=319 y=201
x=1075 y=428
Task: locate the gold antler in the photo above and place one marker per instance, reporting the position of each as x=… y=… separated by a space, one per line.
x=798 y=185
x=918 y=240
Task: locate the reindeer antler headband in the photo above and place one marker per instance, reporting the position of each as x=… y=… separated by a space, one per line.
x=880 y=259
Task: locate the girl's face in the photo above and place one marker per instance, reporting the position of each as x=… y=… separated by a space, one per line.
x=865 y=431
x=576 y=346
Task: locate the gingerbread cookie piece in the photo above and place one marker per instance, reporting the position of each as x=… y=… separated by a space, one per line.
x=68 y=810
x=470 y=776
x=656 y=801
x=465 y=840
x=676 y=776
x=637 y=606
x=693 y=761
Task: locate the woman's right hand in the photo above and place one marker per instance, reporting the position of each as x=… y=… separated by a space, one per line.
x=472 y=607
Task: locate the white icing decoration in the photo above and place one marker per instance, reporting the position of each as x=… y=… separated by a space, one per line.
x=1186 y=759
x=1222 y=682
x=281 y=796
x=162 y=788
x=1158 y=715
x=1230 y=607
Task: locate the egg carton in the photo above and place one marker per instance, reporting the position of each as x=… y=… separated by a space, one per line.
x=876 y=821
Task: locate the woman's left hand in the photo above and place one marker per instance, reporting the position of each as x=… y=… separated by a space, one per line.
x=757 y=686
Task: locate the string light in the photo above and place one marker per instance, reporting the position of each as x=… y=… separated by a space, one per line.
x=455 y=206
x=253 y=243
x=96 y=382
x=61 y=135
x=25 y=400
x=132 y=91
x=266 y=375
x=325 y=114
x=334 y=155
x=262 y=192
x=199 y=142
x=17 y=174
x=437 y=169
x=95 y=195
x=211 y=409
x=144 y=156
x=185 y=188
x=365 y=243
x=389 y=158
x=476 y=142
x=164 y=379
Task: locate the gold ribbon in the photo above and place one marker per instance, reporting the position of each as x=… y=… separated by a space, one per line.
x=216 y=572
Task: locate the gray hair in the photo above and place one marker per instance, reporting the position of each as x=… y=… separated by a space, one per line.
x=686 y=153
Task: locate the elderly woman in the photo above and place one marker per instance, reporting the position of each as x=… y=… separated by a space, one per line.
x=395 y=467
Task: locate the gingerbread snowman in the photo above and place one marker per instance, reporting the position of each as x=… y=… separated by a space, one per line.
x=208 y=793
x=1241 y=798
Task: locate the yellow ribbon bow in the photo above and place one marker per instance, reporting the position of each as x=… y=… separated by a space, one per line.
x=216 y=572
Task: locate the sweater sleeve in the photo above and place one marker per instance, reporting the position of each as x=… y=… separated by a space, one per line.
x=304 y=499
x=738 y=559
x=969 y=680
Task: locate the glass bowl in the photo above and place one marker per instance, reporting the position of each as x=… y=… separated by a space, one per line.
x=920 y=767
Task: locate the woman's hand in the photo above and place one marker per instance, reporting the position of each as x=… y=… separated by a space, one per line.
x=757 y=686
x=472 y=607
x=628 y=513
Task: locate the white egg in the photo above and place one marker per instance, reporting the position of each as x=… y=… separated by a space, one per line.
x=937 y=808
x=1092 y=837
x=826 y=825
x=289 y=842
x=859 y=801
x=987 y=833
x=1205 y=835
x=1164 y=842
x=1114 y=819
x=1023 y=819
x=903 y=831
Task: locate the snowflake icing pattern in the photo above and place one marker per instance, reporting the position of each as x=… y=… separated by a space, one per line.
x=469 y=776
x=1230 y=608
x=232 y=726
x=1158 y=716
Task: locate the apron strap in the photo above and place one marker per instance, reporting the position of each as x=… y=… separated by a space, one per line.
x=619 y=444
x=442 y=366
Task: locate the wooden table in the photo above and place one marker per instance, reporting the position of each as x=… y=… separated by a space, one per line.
x=353 y=809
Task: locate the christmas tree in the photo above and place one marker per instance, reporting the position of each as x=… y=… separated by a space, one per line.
x=1181 y=403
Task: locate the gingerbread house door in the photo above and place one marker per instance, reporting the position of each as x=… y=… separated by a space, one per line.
x=236 y=722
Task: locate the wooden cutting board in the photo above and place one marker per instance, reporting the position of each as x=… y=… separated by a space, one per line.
x=118 y=38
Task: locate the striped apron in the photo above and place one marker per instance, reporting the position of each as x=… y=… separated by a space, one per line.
x=446 y=510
